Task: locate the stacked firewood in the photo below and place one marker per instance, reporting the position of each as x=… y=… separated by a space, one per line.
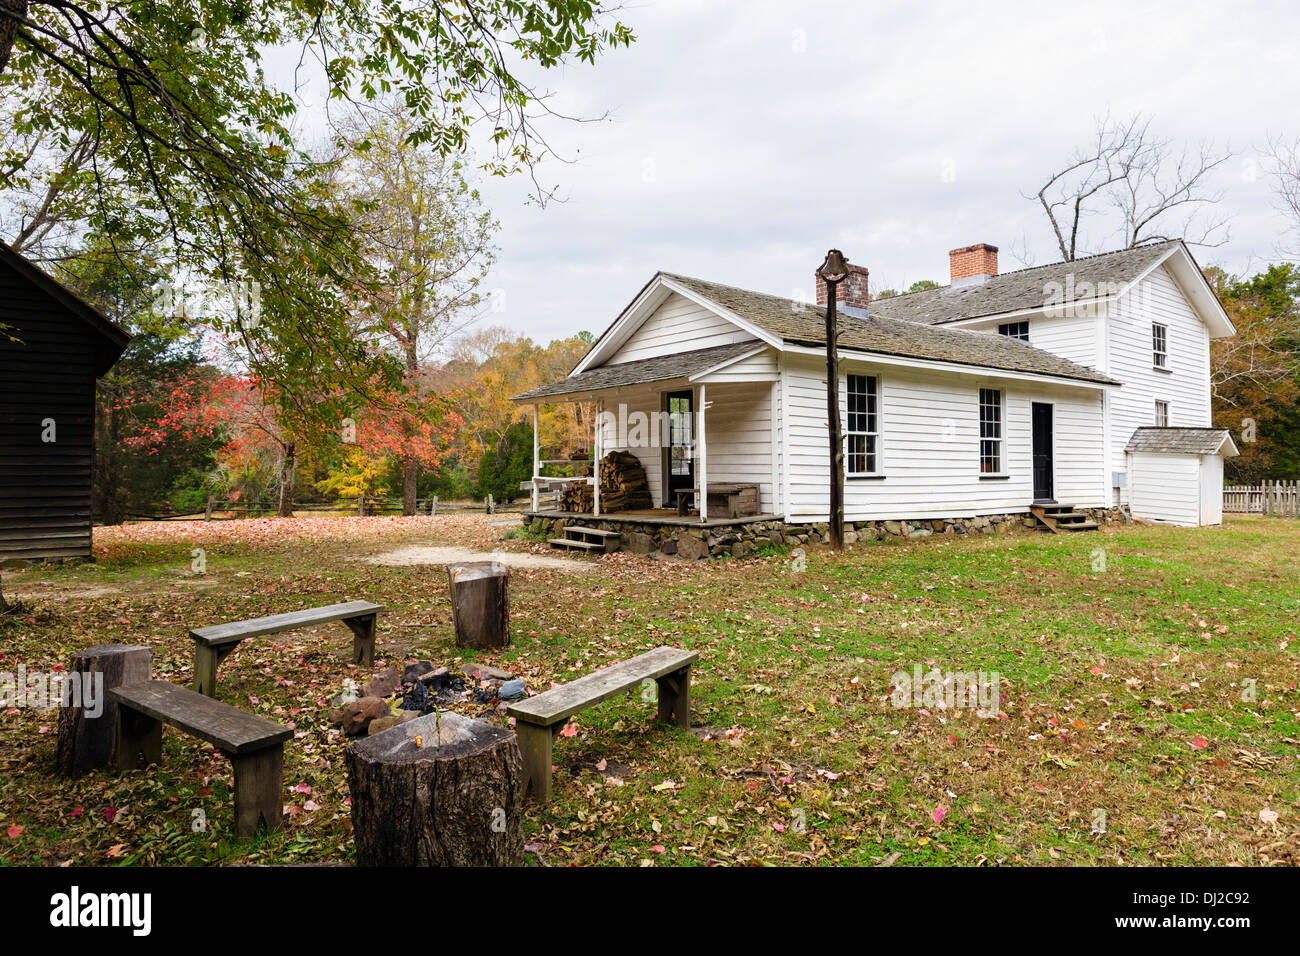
x=623 y=486
x=577 y=497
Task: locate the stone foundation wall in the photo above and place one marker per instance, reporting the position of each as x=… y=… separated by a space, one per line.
x=741 y=540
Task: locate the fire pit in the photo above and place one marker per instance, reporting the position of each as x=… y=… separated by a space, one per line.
x=438 y=689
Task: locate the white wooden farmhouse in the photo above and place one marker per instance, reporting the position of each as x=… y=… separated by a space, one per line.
x=978 y=404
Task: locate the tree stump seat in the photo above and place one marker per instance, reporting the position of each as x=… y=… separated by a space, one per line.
x=539 y=719
x=254 y=744
x=214 y=644
x=480 y=603
x=440 y=790
x=88 y=717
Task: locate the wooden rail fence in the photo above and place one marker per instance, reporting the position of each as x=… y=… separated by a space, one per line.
x=1268 y=498
x=225 y=509
x=362 y=506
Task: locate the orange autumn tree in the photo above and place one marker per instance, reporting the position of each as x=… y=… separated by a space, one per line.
x=485 y=368
x=414 y=424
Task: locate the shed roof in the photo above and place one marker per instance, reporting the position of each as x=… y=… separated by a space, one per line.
x=1183 y=441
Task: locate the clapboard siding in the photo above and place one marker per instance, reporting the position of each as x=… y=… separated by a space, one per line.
x=1165 y=487
x=48 y=374
x=678 y=325
x=1075 y=337
x=738 y=435
x=618 y=425
x=1186 y=386
x=756 y=368
x=929 y=444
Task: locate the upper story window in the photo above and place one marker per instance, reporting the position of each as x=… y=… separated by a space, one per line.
x=990 y=431
x=1015 y=330
x=1162 y=414
x=863 y=430
x=1159 y=345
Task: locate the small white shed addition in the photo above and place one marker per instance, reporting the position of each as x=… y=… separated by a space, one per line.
x=1176 y=474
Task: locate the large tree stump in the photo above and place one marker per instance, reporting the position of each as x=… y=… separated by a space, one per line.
x=480 y=603
x=440 y=790
x=88 y=717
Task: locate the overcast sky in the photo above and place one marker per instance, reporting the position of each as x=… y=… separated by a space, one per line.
x=748 y=137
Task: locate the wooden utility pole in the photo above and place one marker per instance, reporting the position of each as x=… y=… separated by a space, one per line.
x=833 y=272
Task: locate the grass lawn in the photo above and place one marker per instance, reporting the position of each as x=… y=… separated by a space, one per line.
x=1147 y=673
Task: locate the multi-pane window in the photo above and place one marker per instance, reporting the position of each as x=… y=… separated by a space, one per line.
x=1162 y=414
x=680 y=438
x=863 y=431
x=990 y=431
x=1159 y=345
x=1015 y=330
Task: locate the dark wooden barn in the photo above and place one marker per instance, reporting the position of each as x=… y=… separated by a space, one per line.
x=53 y=346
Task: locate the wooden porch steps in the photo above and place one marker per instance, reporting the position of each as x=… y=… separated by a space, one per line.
x=1059 y=519
x=588 y=539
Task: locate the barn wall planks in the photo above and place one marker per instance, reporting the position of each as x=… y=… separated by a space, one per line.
x=48 y=374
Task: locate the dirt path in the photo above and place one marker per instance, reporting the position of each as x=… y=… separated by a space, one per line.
x=423 y=554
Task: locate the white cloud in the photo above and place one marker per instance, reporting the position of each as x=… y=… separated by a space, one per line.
x=734 y=155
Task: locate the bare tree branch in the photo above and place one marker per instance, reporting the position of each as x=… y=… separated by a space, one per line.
x=1139 y=184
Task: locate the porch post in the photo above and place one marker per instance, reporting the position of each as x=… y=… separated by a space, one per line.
x=537 y=457
x=596 y=450
x=703 y=461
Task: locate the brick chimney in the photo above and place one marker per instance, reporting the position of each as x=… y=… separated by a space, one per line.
x=854 y=292
x=973 y=264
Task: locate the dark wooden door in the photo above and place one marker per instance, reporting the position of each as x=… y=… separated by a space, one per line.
x=1043 y=490
x=679 y=455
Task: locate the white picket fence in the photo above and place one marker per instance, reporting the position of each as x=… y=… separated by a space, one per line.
x=1269 y=498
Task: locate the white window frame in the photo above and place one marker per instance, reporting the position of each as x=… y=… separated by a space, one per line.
x=1004 y=326
x=996 y=431
x=1162 y=406
x=872 y=430
x=1160 y=346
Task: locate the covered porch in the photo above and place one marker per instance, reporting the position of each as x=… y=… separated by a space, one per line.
x=705 y=419
x=665 y=517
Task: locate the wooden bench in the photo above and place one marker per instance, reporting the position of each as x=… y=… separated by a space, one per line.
x=538 y=719
x=723 y=500
x=212 y=645
x=254 y=744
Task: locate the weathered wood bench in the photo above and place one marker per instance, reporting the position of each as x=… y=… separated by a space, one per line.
x=736 y=500
x=212 y=645
x=254 y=744
x=538 y=719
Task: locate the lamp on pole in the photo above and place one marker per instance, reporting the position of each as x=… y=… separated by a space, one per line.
x=833 y=271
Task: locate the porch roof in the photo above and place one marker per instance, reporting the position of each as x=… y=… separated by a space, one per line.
x=661 y=368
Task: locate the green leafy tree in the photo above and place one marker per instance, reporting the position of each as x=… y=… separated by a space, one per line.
x=147 y=449
x=506 y=463
x=165 y=115
x=1255 y=374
